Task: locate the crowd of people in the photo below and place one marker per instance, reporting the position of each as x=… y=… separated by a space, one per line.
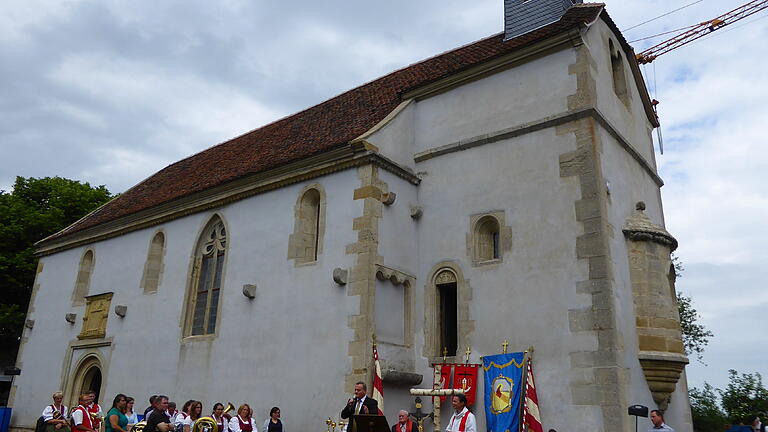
x=160 y=416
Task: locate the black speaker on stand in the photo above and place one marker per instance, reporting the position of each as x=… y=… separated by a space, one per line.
x=637 y=411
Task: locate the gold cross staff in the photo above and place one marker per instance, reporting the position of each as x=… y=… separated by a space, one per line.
x=504 y=346
x=468 y=352
x=445 y=353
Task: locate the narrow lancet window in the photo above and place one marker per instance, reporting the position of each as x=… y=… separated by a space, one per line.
x=447 y=313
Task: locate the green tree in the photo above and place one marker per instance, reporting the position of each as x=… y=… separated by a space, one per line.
x=744 y=395
x=705 y=411
x=695 y=335
x=33 y=210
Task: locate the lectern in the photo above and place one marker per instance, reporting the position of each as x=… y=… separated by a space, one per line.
x=369 y=423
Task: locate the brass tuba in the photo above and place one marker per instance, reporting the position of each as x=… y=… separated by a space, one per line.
x=139 y=427
x=205 y=424
x=229 y=407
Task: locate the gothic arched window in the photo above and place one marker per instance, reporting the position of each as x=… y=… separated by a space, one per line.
x=207 y=279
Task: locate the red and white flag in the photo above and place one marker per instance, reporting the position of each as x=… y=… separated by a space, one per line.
x=378 y=386
x=531 y=416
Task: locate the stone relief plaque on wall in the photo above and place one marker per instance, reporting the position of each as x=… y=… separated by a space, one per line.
x=96 y=315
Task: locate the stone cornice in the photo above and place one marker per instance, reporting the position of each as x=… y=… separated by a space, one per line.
x=544 y=123
x=343 y=158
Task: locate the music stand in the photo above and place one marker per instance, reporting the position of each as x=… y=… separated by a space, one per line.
x=369 y=423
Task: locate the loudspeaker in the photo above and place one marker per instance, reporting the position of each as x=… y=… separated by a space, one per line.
x=638 y=411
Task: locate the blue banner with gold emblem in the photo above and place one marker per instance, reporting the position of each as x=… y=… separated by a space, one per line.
x=503 y=385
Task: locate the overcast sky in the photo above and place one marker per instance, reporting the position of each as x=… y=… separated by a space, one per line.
x=111 y=91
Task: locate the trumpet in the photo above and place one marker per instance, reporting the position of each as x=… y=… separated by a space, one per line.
x=139 y=427
x=56 y=414
x=95 y=416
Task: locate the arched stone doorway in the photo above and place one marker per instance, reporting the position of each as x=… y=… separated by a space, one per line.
x=87 y=377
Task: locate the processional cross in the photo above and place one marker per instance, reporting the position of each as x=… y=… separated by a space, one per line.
x=419 y=416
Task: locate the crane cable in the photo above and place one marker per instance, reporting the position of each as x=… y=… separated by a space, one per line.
x=664 y=33
x=662 y=15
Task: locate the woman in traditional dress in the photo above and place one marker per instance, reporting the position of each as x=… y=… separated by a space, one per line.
x=55 y=415
x=243 y=422
x=183 y=422
x=273 y=423
x=218 y=415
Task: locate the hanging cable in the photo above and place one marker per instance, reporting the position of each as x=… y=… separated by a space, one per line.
x=664 y=33
x=662 y=15
x=656 y=97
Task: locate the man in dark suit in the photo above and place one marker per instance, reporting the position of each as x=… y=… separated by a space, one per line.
x=360 y=404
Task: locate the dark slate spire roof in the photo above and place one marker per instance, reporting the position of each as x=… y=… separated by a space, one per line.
x=523 y=16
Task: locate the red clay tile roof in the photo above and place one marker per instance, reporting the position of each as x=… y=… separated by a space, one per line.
x=323 y=127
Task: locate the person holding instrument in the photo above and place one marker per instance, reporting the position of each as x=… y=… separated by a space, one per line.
x=360 y=404
x=55 y=416
x=218 y=416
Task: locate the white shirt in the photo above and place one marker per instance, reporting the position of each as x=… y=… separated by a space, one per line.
x=663 y=428
x=77 y=416
x=359 y=406
x=234 y=424
x=455 y=423
x=48 y=413
x=182 y=419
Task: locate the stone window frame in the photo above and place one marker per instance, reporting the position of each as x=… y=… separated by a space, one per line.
x=618 y=73
x=296 y=240
x=476 y=222
x=397 y=277
x=153 y=270
x=194 y=279
x=83 y=278
x=465 y=326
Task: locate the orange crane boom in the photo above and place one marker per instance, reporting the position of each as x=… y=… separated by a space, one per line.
x=700 y=30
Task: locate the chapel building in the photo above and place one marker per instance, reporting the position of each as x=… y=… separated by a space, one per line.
x=504 y=190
